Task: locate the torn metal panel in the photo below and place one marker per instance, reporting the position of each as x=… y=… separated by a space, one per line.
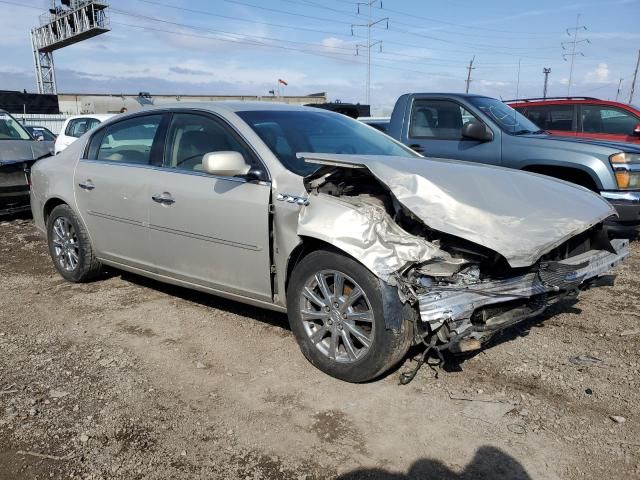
x=517 y=214
x=442 y=304
x=366 y=232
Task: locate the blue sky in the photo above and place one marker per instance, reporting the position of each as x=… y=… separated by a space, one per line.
x=244 y=46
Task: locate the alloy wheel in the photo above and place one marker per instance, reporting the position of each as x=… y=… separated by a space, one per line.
x=337 y=316
x=65 y=244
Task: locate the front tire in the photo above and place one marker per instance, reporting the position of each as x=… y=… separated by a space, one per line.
x=336 y=314
x=70 y=247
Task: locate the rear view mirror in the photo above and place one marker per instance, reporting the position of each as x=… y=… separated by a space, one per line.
x=477 y=131
x=636 y=130
x=225 y=164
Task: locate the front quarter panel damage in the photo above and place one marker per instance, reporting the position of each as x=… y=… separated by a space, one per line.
x=367 y=233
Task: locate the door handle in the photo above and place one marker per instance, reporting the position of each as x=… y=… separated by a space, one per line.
x=165 y=199
x=416 y=148
x=87 y=185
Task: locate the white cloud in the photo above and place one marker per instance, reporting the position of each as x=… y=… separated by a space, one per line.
x=599 y=75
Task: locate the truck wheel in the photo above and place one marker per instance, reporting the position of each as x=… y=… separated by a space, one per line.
x=336 y=314
x=69 y=246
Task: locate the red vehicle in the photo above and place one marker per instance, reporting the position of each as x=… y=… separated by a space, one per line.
x=582 y=117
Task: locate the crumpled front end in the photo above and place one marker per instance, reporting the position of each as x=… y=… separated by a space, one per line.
x=467 y=312
x=463 y=292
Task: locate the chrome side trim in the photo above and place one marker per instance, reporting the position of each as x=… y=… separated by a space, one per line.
x=441 y=305
x=115 y=218
x=206 y=238
x=631 y=197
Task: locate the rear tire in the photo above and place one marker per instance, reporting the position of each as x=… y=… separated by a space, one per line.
x=336 y=314
x=70 y=247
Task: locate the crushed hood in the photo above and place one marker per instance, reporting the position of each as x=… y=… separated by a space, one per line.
x=517 y=214
x=15 y=151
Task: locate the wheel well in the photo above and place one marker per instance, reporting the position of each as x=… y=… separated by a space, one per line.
x=49 y=206
x=568 y=174
x=308 y=245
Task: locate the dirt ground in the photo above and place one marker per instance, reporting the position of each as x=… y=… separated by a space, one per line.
x=126 y=378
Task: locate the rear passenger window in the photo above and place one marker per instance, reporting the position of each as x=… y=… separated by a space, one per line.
x=128 y=141
x=552 y=117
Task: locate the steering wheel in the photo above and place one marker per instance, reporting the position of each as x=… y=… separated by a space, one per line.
x=346 y=148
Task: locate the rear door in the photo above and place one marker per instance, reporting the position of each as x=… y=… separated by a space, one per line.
x=209 y=230
x=607 y=123
x=112 y=188
x=435 y=130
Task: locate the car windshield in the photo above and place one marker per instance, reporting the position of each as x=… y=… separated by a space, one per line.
x=508 y=119
x=287 y=133
x=10 y=129
x=41 y=132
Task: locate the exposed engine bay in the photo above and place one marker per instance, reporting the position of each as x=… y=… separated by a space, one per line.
x=464 y=292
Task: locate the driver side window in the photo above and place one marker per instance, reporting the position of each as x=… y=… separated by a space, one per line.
x=191 y=136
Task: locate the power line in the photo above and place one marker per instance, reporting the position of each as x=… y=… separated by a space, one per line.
x=370 y=23
x=469 y=68
x=635 y=76
x=573 y=53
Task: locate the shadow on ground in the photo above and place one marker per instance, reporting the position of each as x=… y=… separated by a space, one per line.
x=489 y=463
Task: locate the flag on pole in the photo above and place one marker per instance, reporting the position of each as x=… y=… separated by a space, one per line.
x=282 y=82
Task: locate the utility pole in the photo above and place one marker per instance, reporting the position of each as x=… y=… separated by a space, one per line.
x=469 y=68
x=546 y=72
x=619 y=91
x=635 y=75
x=370 y=23
x=573 y=53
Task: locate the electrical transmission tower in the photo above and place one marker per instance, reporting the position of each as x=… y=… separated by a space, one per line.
x=370 y=23
x=469 y=68
x=619 y=91
x=546 y=72
x=573 y=44
x=66 y=23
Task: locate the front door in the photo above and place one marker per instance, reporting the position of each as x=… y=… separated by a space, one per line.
x=112 y=190
x=608 y=123
x=209 y=230
x=435 y=130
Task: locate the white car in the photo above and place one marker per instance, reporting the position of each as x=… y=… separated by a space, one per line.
x=76 y=126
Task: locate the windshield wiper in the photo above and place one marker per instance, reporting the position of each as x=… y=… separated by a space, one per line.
x=522 y=132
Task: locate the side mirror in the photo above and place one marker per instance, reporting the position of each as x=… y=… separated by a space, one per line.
x=225 y=164
x=636 y=130
x=477 y=131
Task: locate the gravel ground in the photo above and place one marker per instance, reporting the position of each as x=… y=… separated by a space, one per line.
x=126 y=378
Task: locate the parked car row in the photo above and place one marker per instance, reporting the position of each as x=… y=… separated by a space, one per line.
x=367 y=245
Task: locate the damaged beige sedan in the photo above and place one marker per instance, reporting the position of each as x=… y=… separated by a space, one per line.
x=368 y=246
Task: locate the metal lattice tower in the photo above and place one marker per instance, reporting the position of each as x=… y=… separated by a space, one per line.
x=66 y=23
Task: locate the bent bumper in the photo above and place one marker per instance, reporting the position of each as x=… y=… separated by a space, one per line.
x=627 y=204
x=478 y=310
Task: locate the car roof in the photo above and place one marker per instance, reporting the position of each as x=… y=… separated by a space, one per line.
x=571 y=101
x=229 y=106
